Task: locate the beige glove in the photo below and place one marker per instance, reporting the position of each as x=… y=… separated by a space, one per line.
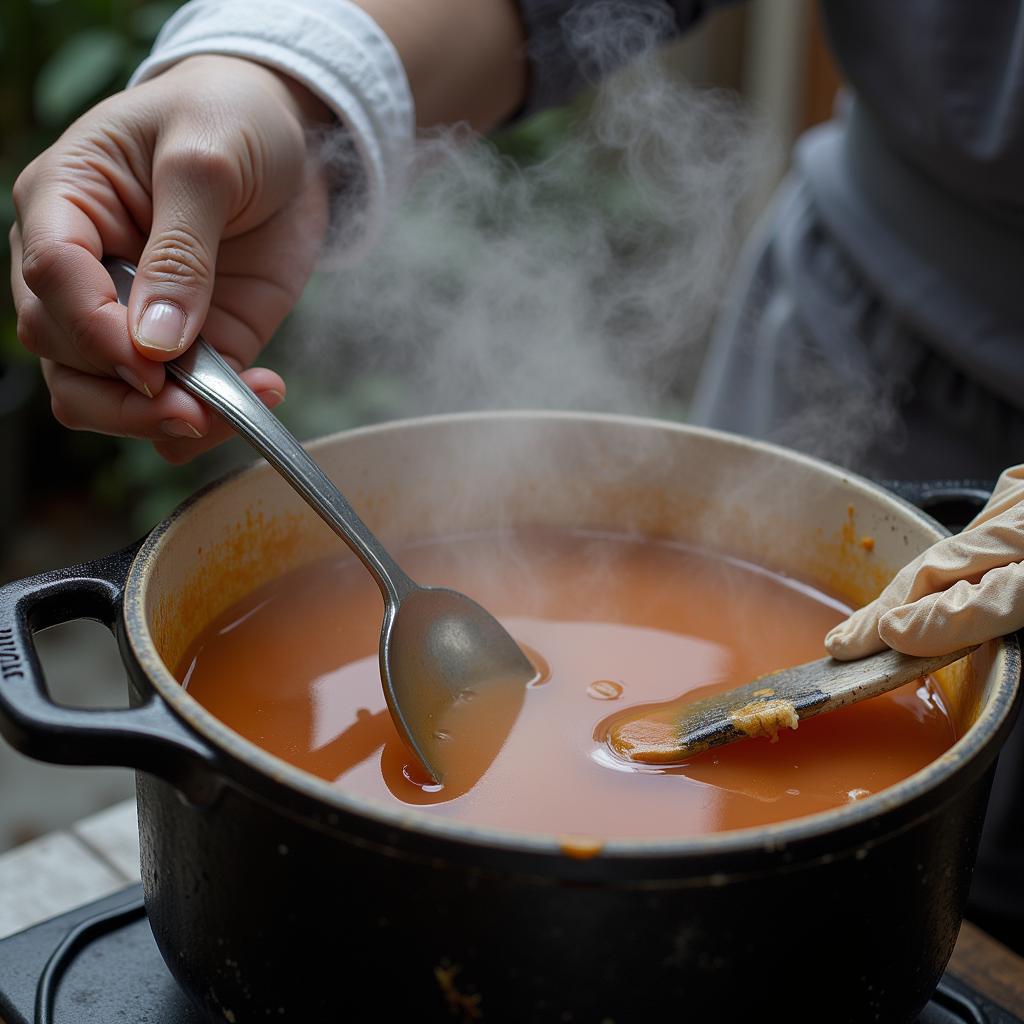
x=961 y=591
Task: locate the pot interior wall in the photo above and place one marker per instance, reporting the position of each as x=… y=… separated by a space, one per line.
x=457 y=474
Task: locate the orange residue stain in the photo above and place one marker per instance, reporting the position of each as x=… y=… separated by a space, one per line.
x=458 y=1002
x=580 y=847
x=254 y=549
x=961 y=693
x=838 y=563
x=849 y=531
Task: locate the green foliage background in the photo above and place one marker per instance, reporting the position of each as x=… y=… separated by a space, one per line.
x=57 y=59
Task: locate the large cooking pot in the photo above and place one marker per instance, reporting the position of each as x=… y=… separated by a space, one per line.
x=274 y=895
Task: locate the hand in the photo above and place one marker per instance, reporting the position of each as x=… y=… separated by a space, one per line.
x=201 y=177
x=962 y=591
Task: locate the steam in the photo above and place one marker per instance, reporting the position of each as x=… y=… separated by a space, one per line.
x=848 y=416
x=587 y=280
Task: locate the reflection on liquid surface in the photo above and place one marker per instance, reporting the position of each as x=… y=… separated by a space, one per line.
x=616 y=621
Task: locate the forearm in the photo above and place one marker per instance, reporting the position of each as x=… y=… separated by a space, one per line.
x=465 y=59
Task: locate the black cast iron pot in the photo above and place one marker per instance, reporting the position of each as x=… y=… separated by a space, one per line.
x=275 y=896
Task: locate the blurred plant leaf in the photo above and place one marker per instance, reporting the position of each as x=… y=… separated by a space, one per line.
x=156 y=504
x=149 y=19
x=77 y=74
x=535 y=138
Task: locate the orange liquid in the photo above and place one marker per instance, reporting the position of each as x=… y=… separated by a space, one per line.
x=619 y=621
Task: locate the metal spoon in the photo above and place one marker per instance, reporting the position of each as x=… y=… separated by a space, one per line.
x=453 y=678
x=672 y=732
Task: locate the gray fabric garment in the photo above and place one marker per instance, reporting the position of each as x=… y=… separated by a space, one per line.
x=807 y=354
x=923 y=185
x=945 y=79
x=947 y=269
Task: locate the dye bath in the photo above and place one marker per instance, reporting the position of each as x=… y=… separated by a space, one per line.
x=611 y=621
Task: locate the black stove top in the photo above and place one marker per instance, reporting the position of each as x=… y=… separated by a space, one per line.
x=100 y=965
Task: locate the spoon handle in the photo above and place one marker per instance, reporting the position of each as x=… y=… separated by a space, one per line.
x=203 y=373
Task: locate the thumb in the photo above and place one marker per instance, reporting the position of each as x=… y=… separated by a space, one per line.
x=173 y=285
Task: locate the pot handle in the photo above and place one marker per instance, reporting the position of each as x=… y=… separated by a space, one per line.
x=954 y=503
x=147 y=736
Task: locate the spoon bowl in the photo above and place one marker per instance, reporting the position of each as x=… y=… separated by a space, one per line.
x=453 y=678
x=454 y=681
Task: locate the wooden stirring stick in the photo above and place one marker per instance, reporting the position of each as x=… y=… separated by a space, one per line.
x=762 y=708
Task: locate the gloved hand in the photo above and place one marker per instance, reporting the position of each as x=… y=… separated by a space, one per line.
x=961 y=591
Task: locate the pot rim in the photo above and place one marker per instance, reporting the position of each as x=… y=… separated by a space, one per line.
x=334 y=801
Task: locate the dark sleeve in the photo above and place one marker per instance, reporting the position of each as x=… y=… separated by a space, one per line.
x=573 y=43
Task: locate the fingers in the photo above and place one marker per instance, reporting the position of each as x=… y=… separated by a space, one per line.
x=68 y=311
x=193 y=198
x=181 y=450
x=957 y=593
x=968 y=555
x=857 y=637
x=960 y=616
x=83 y=401
x=244 y=314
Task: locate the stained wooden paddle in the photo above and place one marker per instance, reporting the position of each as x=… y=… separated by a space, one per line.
x=771 y=703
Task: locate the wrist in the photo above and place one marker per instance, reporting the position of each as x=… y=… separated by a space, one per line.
x=310 y=110
x=341 y=57
x=306 y=107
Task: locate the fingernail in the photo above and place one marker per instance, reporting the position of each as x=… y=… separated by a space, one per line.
x=271 y=399
x=179 y=428
x=161 y=327
x=133 y=380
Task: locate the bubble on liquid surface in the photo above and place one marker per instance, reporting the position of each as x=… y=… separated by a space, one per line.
x=605 y=689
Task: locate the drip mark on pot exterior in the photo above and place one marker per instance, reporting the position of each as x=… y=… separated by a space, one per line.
x=580 y=847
